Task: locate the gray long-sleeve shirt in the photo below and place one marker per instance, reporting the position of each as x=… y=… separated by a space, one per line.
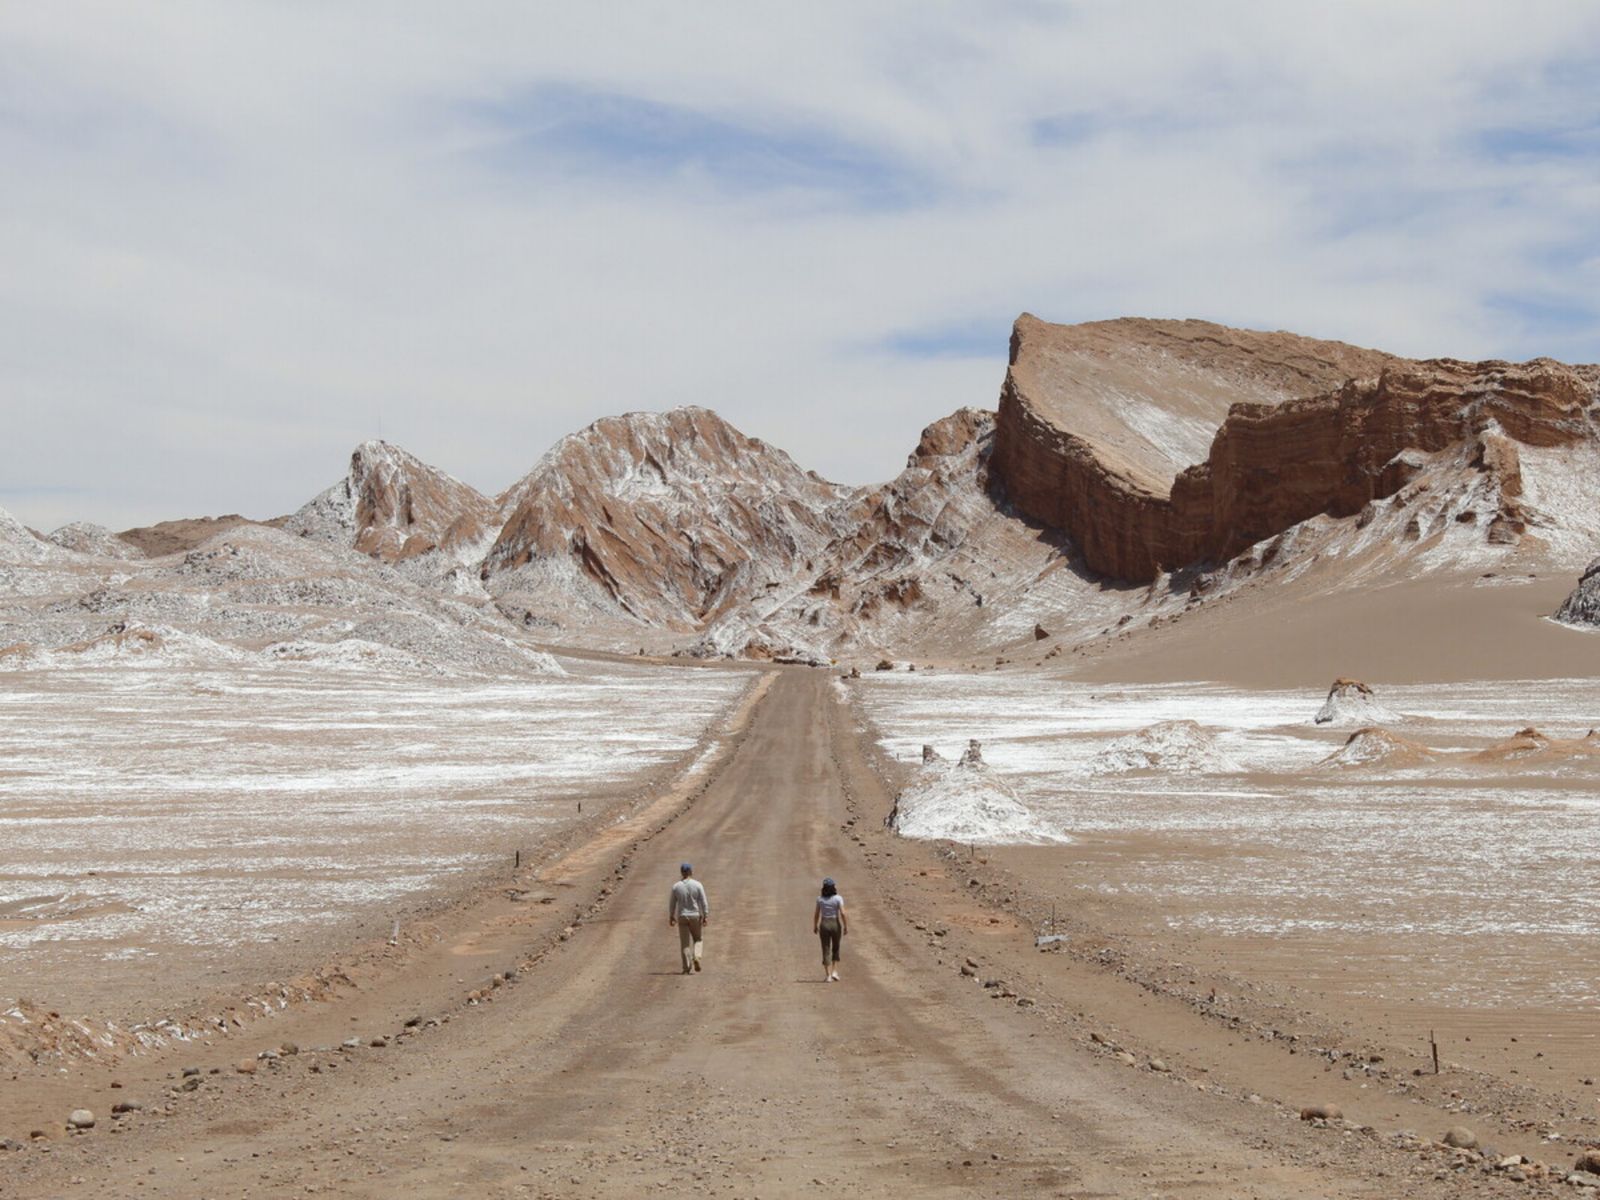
x=688 y=900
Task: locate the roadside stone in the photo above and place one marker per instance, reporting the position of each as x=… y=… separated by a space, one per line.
x=378 y=1043
x=80 y=1118
x=188 y=1071
x=288 y=1049
x=1322 y=1112
x=1459 y=1137
x=1159 y=1066
x=1024 y=1002
x=246 y=1066
x=192 y=1084
x=1126 y=1059
x=126 y=1106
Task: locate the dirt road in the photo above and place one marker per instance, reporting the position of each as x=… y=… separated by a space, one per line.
x=599 y=1070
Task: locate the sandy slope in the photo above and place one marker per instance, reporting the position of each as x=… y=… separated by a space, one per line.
x=599 y=1071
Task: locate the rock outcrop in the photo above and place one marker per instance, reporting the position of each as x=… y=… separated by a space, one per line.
x=1305 y=428
x=1351 y=702
x=963 y=801
x=1582 y=607
x=393 y=506
x=676 y=518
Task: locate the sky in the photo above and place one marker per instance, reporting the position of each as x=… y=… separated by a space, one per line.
x=240 y=238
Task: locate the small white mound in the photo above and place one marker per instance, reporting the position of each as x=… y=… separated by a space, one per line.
x=1352 y=703
x=1176 y=747
x=18 y=543
x=146 y=646
x=1372 y=746
x=964 y=801
x=84 y=537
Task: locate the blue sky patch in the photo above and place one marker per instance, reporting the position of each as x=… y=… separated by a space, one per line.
x=567 y=128
x=976 y=338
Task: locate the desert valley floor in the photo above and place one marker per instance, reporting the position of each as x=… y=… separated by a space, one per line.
x=420 y=966
x=335 y=847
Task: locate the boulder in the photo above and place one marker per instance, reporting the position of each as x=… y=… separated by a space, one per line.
x=80 y=1118
x=1321 y=1112
x=1459 y=1137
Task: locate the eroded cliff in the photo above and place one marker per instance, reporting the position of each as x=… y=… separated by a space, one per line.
x=1311 y=428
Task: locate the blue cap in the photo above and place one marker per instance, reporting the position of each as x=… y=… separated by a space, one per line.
x=684 y=868
x=828 y=880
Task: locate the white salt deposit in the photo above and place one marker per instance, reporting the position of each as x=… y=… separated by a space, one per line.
x=215 y=809
x=965 y=801
x=1280 y=842
x=1175 y=747
x=1352 y=703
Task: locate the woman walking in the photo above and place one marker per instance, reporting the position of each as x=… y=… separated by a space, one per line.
x=828 y=920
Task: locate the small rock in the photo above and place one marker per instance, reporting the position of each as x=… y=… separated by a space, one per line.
x=378 y=1043
x=1321 y=1112
x=80 y=1118
x=125 y=1106
x=1159 y=1066
x=192 y=1084
x=188 y=1071
x=1126 y=1059
x=1588 y=1161
x=1460 y=1137
x=288 y=1049
x=246 y=1066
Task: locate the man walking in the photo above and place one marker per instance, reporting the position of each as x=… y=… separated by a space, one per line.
x=688 y=910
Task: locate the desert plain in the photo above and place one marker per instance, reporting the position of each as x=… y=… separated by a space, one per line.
x=336 y=847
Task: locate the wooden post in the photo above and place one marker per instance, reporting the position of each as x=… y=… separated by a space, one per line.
x=518 y=863
x=1435 y=1045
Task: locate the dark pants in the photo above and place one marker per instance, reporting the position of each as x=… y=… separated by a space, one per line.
x=830 y=933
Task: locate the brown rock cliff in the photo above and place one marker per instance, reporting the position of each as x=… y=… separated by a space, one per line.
x=1275 y=460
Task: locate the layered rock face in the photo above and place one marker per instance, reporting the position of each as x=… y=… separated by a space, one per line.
x=1308 y=442
x=393 y=506
x=678 y=517
x=1582 y=607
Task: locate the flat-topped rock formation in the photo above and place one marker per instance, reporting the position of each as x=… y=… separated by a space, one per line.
x=1329 y=429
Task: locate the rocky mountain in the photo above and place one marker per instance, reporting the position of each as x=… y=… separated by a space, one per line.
x=1305 y=445
x=671 y=519
x=393 y=506
x=1134 y=470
